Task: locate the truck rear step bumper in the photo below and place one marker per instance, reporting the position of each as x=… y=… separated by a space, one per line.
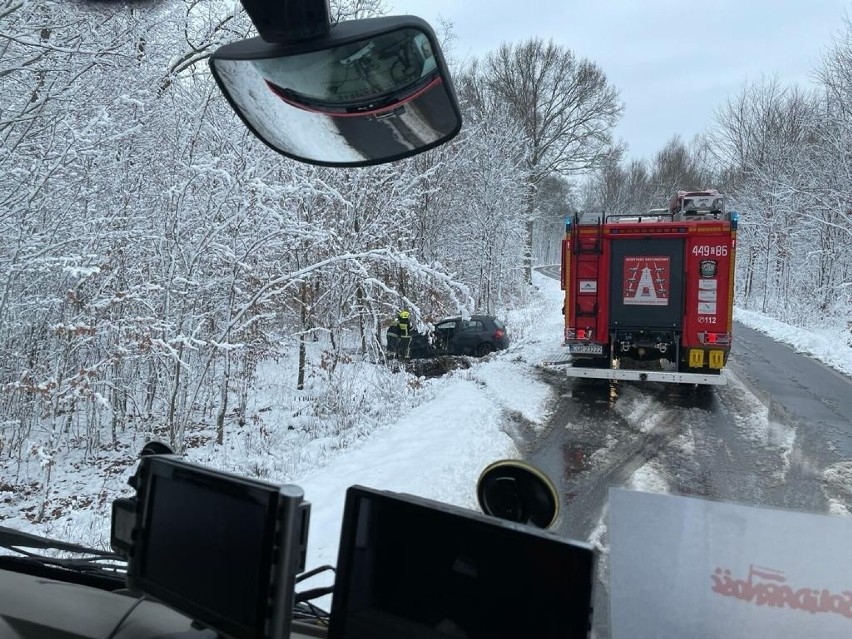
x=639 y=376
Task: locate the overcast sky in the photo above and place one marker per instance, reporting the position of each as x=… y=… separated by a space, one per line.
x=673 y=61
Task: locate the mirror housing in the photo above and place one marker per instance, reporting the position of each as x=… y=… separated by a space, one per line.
x=367 y=92
x=514 y=490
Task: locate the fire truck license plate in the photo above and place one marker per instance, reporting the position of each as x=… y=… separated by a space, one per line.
x=586 y=349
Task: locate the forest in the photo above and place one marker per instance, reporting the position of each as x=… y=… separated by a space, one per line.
x=155 y=256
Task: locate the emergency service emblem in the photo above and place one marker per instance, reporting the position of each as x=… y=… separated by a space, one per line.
x=707 y=268
x=647 y=280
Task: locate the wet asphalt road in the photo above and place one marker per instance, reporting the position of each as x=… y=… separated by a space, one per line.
x=775 y=435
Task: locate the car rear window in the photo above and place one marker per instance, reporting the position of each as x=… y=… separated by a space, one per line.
x=499 y=324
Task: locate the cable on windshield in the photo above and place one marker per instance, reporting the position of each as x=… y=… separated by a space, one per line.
x=303 y=609
x=313 y=572
x=125 y=616
x=308 y=612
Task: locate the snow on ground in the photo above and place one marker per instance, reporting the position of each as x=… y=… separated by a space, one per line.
x=755 y=424
x=839 y=477
x=508 y=383
x=439 y=449
x=650 y=479
x=603 y=455
x=685 y=442
x=837 y=487
x=831 y=345
x=837 y=507
x=639 y=409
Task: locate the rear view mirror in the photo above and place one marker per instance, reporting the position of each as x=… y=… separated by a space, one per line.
x=514 y=490
x=367 y=92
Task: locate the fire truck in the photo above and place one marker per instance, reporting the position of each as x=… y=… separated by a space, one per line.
x=650 y=296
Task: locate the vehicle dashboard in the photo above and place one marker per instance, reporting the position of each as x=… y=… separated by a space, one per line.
x=34 y=606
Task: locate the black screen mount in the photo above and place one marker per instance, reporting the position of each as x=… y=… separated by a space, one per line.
x=289 y=21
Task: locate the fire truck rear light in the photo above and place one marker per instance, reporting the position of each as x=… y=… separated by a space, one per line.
x=719 y=339
x=578 y=333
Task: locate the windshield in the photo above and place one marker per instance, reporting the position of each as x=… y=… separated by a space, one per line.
x=167 y=277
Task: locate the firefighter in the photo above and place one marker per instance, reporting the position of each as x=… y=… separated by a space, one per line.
x=399 y=335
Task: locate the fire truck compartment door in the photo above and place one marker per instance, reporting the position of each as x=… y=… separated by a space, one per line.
x=647 y=283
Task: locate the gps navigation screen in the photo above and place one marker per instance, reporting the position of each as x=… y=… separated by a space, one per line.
x=408 y=568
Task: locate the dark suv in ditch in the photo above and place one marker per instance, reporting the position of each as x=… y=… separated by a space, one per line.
x=478 y=335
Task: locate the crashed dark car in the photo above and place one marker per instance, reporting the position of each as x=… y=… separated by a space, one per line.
x=478 y=335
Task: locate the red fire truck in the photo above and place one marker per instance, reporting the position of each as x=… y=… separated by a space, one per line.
x=650 y=296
